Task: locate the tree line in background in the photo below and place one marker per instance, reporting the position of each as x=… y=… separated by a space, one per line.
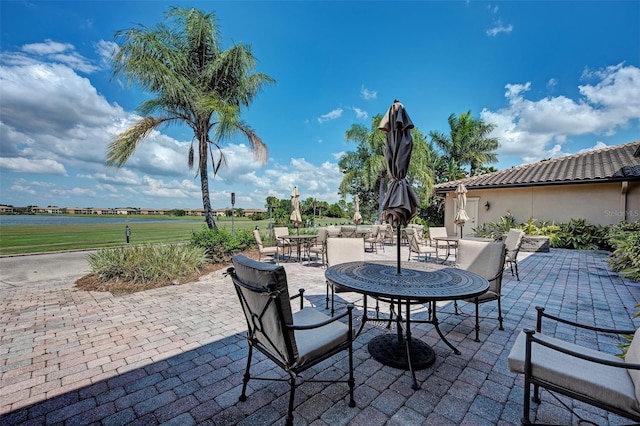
x=197 y=83
x=466 y=151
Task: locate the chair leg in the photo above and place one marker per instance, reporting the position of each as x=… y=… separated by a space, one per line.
x=477 y=320
x=517 y=274
x=327 y=298
x=500 y=314
x=455 y=306
x=292 y=393
x=247 y=376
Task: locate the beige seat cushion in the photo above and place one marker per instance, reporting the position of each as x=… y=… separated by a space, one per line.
x=313 y=343
x=633 y=356
x=604 y=383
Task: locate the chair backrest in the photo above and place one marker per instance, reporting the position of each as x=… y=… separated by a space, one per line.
x=513 y=242
x=333 y=231
x=264 y=297
x=256 y=235
x=412 y=239
x=280 y=231
x=437 y=231
x=347 y=231
x=374 y=231
x=484 y=258
x=322 y=235
x=342 y=250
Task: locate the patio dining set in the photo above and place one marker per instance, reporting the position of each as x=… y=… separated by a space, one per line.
x=309 y=336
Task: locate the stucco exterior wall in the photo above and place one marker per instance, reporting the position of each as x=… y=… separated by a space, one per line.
x=598 y=204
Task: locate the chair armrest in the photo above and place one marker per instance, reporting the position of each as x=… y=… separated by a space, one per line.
x=543 y=314
x=349 y=313
x=532 y=339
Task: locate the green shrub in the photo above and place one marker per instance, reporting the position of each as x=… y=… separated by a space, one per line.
x=220 y=244
x=625 y=259
x=577 y=234
x=143 y=265
x=497 y=229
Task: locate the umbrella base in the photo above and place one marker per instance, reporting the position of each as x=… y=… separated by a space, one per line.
x=387 y=350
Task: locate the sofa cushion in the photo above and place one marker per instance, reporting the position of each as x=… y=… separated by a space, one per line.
x=612 y=385
x=633 y=356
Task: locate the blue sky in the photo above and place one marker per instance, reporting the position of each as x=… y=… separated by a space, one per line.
x=555 y=77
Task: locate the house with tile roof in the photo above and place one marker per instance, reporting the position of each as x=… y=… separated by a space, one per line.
x=601 y=186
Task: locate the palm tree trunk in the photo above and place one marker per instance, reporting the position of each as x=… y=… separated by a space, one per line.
x=381 y=194
x=204 y=183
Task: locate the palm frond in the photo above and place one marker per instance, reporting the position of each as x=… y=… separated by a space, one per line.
x=125 y=144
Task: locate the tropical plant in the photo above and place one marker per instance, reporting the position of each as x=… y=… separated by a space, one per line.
x=467 y=144
x=195 y=82
x=625 y=238
x=577 y=234
x=365 y=169
x=145 y=266
x=220 y=244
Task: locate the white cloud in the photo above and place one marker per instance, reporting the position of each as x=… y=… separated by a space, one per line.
x=368 y=94
x=499 y=27
x=24 y=165
x=536 y=129
x=361 y=114
x=331 y=115
x=63 y=53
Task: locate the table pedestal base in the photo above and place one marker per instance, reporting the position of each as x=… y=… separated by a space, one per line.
x=389 y=351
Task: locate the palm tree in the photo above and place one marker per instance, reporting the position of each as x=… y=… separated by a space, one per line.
x=365 y=168
x=195 y=82
x=468 y=144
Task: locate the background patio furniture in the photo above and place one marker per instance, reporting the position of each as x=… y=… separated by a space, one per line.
x=319 y=247
x=487 y=260
x=513 y=243
x=417 y=245
x=341 y=250
x=295 y=341
x=279 y=233
x=262 y=250
x=594 y=377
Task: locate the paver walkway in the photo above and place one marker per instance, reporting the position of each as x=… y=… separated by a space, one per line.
x=176 y=355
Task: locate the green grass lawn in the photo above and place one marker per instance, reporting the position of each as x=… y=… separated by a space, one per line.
x=48 y=238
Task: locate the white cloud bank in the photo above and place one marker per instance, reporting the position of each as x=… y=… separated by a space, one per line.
x=536 y=129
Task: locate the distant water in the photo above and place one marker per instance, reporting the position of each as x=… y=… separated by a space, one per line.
x=23 y=220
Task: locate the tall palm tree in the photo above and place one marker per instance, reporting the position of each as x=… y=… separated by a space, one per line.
x=467 y=144
x=366 y=167
x=195 y=82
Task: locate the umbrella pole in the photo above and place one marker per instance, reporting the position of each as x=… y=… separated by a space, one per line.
x=398 y=250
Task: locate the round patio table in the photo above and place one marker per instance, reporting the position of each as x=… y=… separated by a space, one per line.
x=418 y=282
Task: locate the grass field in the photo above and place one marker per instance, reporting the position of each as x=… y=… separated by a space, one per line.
x=48 y=238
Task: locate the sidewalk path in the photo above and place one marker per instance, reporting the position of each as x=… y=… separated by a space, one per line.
x=176 y=355
x=27 y=269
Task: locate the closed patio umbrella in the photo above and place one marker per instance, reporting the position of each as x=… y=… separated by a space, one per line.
x=461 y=213
x=400 y=203
x=357 y=217
x=295 y=208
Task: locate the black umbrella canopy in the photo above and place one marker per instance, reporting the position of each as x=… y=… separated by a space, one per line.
x=400 y=203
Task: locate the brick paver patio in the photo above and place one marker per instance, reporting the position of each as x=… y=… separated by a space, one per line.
x=176 y=355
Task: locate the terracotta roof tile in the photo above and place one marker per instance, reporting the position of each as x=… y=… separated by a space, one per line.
x=617 y=162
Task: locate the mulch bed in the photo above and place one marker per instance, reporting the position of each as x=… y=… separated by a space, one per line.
x=92 y=283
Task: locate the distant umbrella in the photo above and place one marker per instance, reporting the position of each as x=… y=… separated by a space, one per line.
x=295 y=207
x=461 y=213
x=400 y=203
x=357 y=217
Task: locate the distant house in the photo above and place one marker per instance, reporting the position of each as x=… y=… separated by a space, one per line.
x=6 y=209
x=79 y=210
x=249 y=212
x=600 y=186
x=103 y=210
x=47 y=210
